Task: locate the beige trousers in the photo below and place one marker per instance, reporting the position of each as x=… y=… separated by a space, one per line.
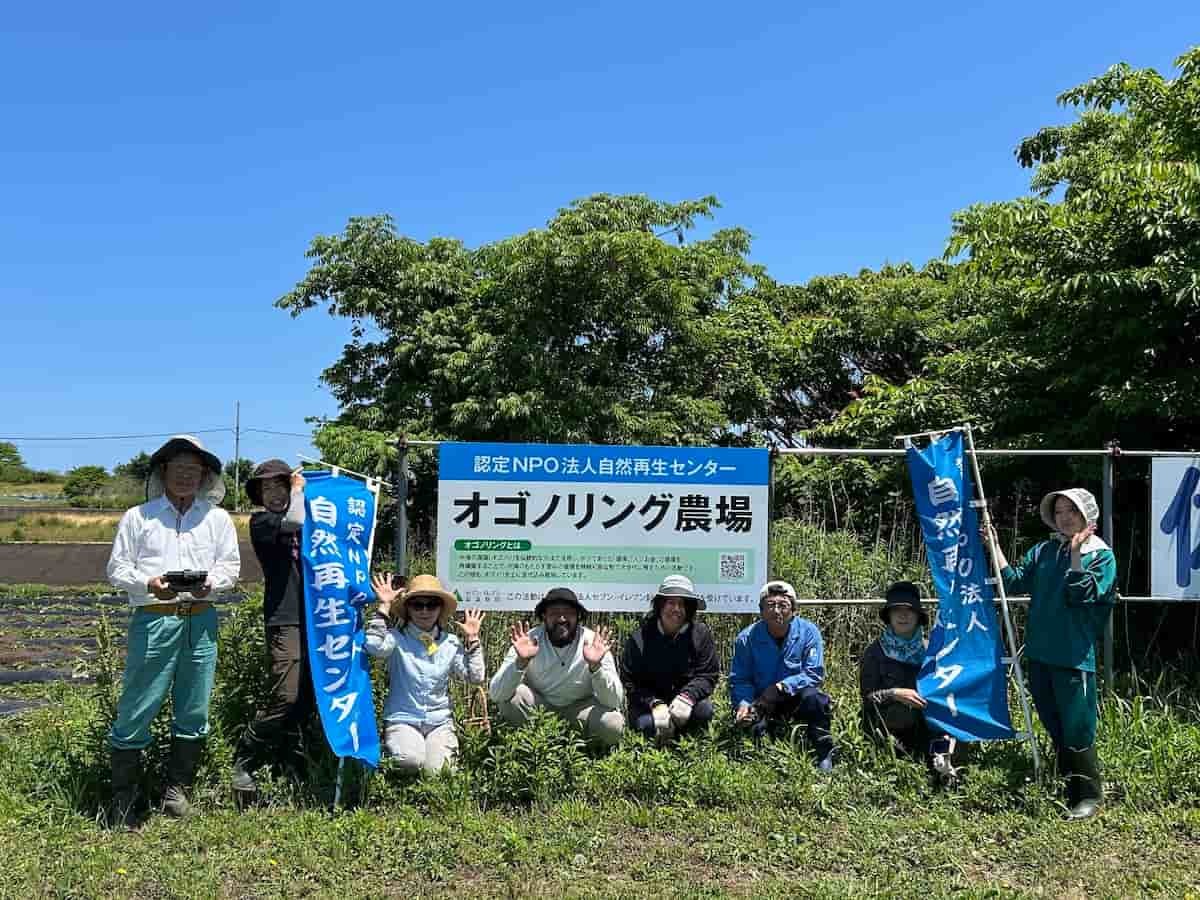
x=599 y=723
x=426 y=747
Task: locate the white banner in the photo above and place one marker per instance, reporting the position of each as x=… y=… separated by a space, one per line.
x=515 y=520
x=1175 y=527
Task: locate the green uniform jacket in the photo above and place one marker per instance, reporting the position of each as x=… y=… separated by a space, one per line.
x=1067 y=610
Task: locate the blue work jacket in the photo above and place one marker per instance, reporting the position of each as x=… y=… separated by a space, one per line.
x=759 y=662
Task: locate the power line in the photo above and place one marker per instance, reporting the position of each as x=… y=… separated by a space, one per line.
x=280 y=433
x=115 y=437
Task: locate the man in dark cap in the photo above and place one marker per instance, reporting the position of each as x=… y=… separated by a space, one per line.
x=275 y=533
x=669 y=664
x=564 y=667
x=172 y=643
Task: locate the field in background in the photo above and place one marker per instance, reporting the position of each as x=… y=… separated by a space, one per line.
x=42 y=493
x=78 y=525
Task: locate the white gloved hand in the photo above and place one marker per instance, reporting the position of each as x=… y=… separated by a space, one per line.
x=662 y=721
x=680 y=710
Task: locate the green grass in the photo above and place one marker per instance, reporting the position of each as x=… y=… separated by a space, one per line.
x=532 y=813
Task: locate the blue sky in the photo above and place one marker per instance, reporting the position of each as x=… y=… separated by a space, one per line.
x=164 y=167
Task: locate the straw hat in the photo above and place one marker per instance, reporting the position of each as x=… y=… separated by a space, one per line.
x=430 y=586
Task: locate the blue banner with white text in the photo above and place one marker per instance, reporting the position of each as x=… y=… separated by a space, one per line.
x=962 y=679
x=339 y=520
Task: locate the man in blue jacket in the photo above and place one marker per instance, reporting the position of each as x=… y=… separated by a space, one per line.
x=777 y=671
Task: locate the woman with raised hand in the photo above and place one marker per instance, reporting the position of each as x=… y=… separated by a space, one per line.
x=1071 y=582
x=422 y=656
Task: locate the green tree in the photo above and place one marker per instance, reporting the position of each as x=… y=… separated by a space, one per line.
x=243 y=468
x=136 y=469
x=1097 y=276
x=84 y=481
x=10 y=455
x=598 y=328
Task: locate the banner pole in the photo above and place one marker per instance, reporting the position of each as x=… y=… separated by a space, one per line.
x=1018 y=674
x=400 y=537
x=771 y=454
x=1109 y=536
x=337 y=791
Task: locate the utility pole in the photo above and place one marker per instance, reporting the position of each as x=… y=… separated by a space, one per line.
x=237 y=456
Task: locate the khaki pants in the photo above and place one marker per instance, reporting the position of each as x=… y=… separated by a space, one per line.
x=602 y=724
x=426 y=747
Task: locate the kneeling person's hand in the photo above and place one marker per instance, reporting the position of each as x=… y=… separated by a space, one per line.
x=680 y=710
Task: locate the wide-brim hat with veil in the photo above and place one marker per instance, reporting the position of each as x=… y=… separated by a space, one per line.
x=212 y=488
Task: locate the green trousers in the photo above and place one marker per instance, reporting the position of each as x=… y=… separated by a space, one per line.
x=176 y=654
x=1066 y=703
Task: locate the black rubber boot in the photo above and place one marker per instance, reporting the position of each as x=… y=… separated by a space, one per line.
x=1085 y=790
x=245 y=761
x=126 y=780
x=822 y=742
x=181 y=773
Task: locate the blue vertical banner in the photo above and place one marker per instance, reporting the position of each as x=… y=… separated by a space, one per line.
x=339 y=520
x=962 y=679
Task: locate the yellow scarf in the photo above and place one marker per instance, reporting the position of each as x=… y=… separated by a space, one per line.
x=427 y=639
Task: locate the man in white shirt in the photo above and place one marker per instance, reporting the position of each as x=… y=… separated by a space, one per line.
x=563 y=667
x=172 y=642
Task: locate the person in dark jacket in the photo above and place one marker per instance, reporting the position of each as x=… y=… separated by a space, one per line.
x=275 y=534
x=887 y=680
x=887 y=674
x=670 y=666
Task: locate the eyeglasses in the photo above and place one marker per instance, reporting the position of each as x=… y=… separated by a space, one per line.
x=424 y=605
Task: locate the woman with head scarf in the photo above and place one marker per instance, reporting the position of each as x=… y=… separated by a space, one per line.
x=887 y=679
x=1071 y=582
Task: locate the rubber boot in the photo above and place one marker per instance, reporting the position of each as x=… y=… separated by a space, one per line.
x=822 y=741
x=1085 y=790
x=181 y=773
x=126 y=781
x=249 y=751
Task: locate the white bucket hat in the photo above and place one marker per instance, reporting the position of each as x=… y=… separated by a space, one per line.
x=1083 y=500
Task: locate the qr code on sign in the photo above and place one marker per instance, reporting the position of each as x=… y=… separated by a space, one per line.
x=733 y=566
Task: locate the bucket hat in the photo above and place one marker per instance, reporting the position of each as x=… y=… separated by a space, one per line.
x=906 y=595
x=1084 y=501
x=272 y=468
x=212 y=488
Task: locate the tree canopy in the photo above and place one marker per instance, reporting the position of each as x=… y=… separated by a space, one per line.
x=1063 y=318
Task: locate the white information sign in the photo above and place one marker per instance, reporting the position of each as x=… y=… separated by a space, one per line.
x=1175 y=527
x=515 y=520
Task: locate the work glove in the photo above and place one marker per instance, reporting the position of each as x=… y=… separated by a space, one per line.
x=680 y=710
x=663 y=728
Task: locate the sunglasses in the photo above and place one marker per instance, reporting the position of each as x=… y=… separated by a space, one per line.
x=424 y=604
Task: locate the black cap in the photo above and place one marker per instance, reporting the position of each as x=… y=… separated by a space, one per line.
x=559 y=595
x=907 y=595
